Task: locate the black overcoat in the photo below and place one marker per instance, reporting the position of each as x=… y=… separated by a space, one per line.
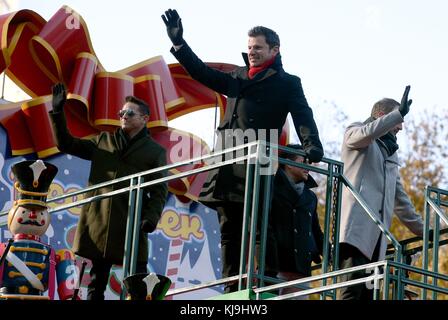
x=297 y=235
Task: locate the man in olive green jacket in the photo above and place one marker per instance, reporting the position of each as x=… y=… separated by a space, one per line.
x=101 y=230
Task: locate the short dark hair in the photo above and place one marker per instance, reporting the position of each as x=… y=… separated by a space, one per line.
x=288 y=155
x=272 y=38
x=384 y=106
x=142 y=105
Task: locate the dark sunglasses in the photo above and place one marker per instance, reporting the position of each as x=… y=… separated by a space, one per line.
x=127 y=112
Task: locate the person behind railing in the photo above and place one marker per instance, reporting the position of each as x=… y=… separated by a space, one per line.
x=297 y=238
x=369 y=153
x=101 y=230
x=259 y=97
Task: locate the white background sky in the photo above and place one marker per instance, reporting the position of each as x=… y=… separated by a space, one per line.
x=348 y=52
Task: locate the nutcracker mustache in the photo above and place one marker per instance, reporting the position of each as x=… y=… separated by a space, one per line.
x=33 y=222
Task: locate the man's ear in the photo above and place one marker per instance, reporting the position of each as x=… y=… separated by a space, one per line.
x=276 y=49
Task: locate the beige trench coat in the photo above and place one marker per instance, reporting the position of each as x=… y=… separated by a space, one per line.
x=375 y=176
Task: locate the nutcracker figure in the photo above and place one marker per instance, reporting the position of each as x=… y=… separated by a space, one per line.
x=30 y=268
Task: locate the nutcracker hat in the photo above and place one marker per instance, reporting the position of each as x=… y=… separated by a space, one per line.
x=32 y=182
x=146 y=286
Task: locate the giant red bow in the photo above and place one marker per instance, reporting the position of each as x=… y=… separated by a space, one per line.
x=37 y=54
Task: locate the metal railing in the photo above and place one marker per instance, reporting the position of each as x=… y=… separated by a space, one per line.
x=252 y=153
x=335 y=181
x=433 y=203
x=377 y=275
x=333 y=173
x=246 y=153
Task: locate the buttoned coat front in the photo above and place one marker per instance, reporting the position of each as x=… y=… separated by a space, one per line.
x=375 y=176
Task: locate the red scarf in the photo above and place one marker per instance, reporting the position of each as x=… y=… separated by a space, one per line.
x=254 y=70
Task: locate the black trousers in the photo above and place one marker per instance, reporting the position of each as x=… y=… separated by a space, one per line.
x=99 y=278
x=231 y=222
x=350 y=256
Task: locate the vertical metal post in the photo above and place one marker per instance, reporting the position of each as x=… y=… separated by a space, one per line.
x=399 y=272
x=386 y=282
x=376 y=290
x=136 y=227
x=254 y=216
x=435 y=247
x=425 y=257
x=264 y=227
x=337 y=221
x=244 y=229
x=128 y=236
x=328 y=207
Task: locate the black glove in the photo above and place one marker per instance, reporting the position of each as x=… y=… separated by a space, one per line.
x=59 y=97
x=405 y=104
x=173 y=26
x=313 y=155
x=147 y=226
x=318 y=257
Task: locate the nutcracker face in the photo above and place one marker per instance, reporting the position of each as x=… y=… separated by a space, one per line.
x=28 y=220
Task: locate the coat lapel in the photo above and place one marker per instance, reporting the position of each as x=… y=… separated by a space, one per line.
x=250 y=82
x=286 y=191
x=135 y=146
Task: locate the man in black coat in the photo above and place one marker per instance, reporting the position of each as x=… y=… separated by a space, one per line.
x=296 y=238
x=259 y=98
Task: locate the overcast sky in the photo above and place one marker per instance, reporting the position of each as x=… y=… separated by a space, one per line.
x=347 y=52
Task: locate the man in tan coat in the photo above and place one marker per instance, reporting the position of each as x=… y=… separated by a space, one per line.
x=101 y=230
x=371 y=165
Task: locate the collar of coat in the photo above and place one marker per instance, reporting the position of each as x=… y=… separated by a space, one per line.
x=125 y=143
x=284 y=189
x=388 y=142
x=310 y=182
